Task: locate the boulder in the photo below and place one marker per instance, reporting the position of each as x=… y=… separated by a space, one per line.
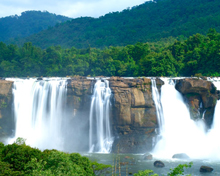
x=181 y=156
x=205 y=89
x=192 y=85
x=201 y=96
x=159 y=164
x=148 y=157
x=206 y=169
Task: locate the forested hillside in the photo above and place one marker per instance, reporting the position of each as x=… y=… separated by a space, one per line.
x=30 y=22
x=198 y=55
x=148 y=22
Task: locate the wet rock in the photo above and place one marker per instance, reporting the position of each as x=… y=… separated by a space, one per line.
x=205 y=89
x=181 y=156
x=200 y=95
x=159 y=164
x=206 y=169
x=39 y=79
x=148 y=157
x=198 y=86
x=134 y=114
x=203 y=77
x=6 y=115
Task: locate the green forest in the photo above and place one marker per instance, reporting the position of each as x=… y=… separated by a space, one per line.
x=148 y=22
x=197 y=55
x=28 y=23
x=20 y=159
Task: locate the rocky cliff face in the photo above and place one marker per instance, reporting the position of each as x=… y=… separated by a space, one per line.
x=133 y=110
x=201 y=97
x=6 y=118
x=134 y=114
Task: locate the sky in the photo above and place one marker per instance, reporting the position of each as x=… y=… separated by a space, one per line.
x=69 y=8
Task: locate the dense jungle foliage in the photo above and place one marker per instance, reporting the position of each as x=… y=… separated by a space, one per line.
x=197 y=55
x=148 y=22
x=20 y=159
x=30 y=22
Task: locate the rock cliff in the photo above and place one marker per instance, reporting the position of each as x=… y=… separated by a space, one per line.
x=6 y=119
x=201 y=97
x=134 y=114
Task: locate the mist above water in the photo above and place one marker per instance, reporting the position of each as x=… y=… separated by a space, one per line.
x=47 y=119
x=38 y=111
x=180 y=134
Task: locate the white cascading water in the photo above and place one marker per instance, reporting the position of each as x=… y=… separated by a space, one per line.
x=213 y=148
x=157 y=102
x=100 y=138
x=38 y=111
x=179 y=133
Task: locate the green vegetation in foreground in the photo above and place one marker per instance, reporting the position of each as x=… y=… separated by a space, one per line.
x=20 y=159
x=197 y=55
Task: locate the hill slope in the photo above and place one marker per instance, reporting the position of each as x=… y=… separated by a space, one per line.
x=150 y=21
x=30 y=22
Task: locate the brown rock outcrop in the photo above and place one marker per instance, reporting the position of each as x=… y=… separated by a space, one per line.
x=6 y=118
x=201 y=96
x=77 y=93
x=134 y=113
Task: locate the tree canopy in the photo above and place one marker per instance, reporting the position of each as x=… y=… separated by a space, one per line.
x=198 y=54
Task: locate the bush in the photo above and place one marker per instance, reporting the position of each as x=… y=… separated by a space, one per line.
x=19 y=155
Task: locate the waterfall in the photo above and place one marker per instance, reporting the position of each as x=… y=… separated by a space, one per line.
x=38 y=111
x=213 y=135
x=100 y=138
x=179 y=133
x=157 y=102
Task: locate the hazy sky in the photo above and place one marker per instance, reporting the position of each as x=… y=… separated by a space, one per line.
x=70 y=8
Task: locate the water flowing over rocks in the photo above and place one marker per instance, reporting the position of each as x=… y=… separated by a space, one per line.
x=201 y=96
x=133 y=114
